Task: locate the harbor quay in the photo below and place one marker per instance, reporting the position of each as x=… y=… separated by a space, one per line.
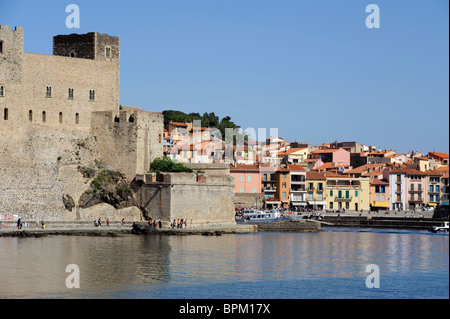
x=312 y=222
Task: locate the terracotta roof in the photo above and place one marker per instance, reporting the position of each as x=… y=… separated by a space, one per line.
x=245 y=167
x=315 y=175
x=293 y=167
x=329 y=174
x=329 y=165
x=377 y=181
x=407 y=171
x=438 y=154
x=178 y=124
x=363 y=168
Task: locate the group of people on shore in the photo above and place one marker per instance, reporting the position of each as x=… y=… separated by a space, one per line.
x=98 y=222
x=181 y=223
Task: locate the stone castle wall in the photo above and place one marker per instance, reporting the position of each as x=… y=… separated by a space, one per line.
x=206 y=199
x=45 y=139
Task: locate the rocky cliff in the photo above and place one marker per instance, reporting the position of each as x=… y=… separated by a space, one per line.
x=56 y=174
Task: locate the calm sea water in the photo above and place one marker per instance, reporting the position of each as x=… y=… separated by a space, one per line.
x=326 y=265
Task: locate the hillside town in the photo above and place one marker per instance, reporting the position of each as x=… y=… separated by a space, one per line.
x=336 y=176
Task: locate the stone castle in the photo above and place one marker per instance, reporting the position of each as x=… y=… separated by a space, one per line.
x=63 y=134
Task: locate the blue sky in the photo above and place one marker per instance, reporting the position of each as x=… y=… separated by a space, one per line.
x=311 y=69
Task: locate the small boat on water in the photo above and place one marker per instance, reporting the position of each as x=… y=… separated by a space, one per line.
x=442 y=228
x=253 y=215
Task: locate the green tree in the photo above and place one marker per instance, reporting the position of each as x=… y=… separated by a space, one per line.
x=165 y=164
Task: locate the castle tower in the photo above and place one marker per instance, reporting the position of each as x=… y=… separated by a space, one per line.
x=93 y=46
x=11 y=54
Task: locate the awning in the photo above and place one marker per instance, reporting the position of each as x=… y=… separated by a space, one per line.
x=380 y=204
x=298 y=203
x=432 y=204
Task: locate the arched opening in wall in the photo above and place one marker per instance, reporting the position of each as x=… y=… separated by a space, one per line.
x=1 y=47
x=5 y=114
x=77 y=118
x=131 y=118
x=30 y=115
x=44 y=117
x=60 y=117
x=73 y=54
x=117 y=119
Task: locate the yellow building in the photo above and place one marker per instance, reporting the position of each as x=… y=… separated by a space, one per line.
x=316 y=195
x=349 y=193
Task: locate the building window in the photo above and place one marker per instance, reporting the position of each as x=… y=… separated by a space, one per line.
x=2 y=91
x=284 y=194
x=284 y=175
x=431 y=189
x=241 y=190
x=60 y=117
x=331 y=205
x=5 y=114
x=383 y=198
x=30 y=116
x=431 y=198
x=284 y=185
x=331 y=193
x=1 y=47
x=48 y=93
x=70 y=94
x=44 y=117
x=91 y=95
x=242 y=179
x=319 y=196
x=356 y=193
x=249 y=179
x=437 y=189
x=320 y=186
x=77 y=118
x=265 y=177
x=310 y=196
x=377 y=198
x=108 y=52
x=254 y=190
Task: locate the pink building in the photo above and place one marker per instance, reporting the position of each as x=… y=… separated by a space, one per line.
x=247 y=178
x=338 y=156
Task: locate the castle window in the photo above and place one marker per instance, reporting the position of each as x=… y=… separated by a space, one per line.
x=131 y=118
x=60 y=117
x=108 y=52
x=77 y=118
x=49 y=91
x=1 y=47
x=70 y=94
x=30 y=116
x=44 y=117
x=91 y=95
x=2 y=90
x=5 y=114
x=117 y=119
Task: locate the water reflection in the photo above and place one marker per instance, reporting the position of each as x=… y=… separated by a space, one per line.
x=162 y=266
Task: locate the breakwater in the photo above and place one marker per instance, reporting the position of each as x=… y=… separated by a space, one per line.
x=303 y=225
x=382 y=222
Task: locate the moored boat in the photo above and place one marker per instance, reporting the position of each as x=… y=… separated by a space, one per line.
x=443 y=228
x=272 y=215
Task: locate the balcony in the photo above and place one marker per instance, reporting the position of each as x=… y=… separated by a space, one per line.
x=298 y=190
x=269 y=189
x=343 y=199
x=415 y=191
